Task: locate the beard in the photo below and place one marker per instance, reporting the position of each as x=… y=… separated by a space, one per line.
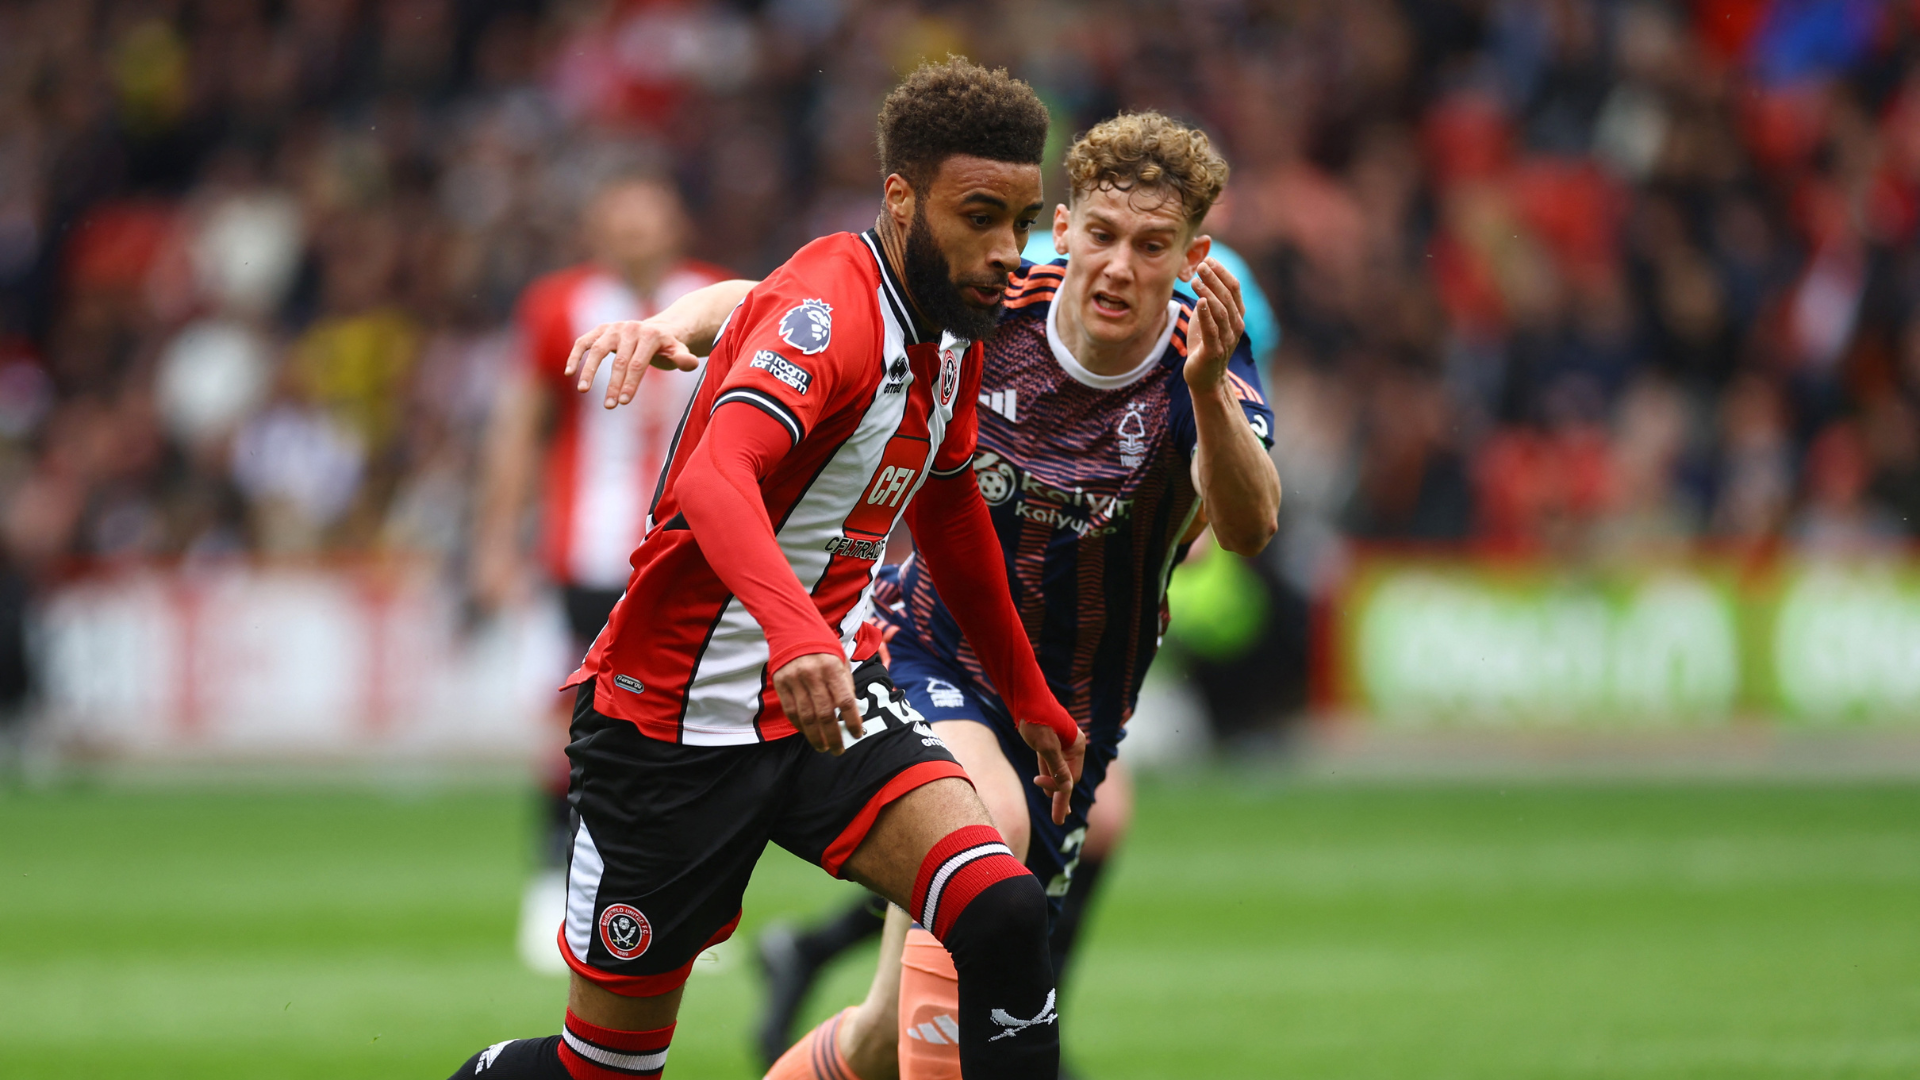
x=930 y=280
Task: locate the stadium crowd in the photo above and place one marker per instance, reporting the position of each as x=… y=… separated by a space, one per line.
x=1589 y=279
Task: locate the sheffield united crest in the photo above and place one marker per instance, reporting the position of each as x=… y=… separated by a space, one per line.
x=624 y=931
x=949 y=375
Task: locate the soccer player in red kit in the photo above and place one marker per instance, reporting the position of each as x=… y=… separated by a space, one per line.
x=839 y=399
x=1117 y=420
x=594 y=469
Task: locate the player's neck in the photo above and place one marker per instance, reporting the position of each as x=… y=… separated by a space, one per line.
x=893 y=247
x=1102 y=357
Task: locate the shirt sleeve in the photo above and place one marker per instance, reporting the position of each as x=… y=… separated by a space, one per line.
x=1243 y=378
x=719 y=494
x=788 y=358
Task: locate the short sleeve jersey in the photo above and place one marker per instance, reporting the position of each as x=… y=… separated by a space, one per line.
x=1089 y=481
x=601 y=465
x=874 y=402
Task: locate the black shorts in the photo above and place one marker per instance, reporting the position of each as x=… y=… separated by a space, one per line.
x=666 y=835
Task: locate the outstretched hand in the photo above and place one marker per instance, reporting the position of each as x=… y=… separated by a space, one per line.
x=1219 y=319
x=1059 y=767
x=636 y=345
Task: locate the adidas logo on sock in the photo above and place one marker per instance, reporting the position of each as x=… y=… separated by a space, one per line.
x=940 y=1031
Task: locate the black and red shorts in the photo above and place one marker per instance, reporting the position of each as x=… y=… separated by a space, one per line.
x=666 y=835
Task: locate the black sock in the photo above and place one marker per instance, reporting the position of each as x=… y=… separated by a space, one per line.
x=842 y=932
x=520 y=1059
x=1008 y=1026
x=1073 y=908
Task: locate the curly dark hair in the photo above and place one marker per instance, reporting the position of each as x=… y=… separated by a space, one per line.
x=959 y=107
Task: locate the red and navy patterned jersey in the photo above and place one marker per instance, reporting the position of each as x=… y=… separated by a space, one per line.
x=1089 y=478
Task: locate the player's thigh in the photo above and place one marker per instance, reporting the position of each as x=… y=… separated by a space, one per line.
x=995 y=780
x=1112 y=813
x=896 y=770
x=889 y=859
x=939 y=689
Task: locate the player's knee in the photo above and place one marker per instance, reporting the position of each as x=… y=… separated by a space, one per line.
x=1006 y=923
x=973 y=894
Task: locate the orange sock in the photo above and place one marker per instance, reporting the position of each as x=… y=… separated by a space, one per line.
x=816 y=1056
x=929 y=1006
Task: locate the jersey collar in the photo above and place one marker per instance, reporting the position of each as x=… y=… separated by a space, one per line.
x=1082 y=375
x=896 y=293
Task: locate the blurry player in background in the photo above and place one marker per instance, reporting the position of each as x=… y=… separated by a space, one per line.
x=595 y=469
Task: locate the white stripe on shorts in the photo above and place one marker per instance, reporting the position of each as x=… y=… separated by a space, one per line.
x=583 y=888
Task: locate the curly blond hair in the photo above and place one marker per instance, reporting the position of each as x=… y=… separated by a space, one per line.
x=1148 y=150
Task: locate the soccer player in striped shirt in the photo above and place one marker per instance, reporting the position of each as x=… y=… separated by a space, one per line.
x=1115 y=420
x=839 y=399
x=593 y=468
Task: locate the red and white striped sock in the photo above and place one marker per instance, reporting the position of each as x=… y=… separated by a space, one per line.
x=991 y=914
x=596 y=1053
x=958 y=868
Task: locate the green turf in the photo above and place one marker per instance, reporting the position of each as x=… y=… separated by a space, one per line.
x=1255 y=929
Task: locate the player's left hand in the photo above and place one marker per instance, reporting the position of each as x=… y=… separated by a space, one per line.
x=635 y=345
x=1059 y=767
x=1219 y=319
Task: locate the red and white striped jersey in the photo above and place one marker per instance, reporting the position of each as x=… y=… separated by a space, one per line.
x=828 y=346
x=601 y=464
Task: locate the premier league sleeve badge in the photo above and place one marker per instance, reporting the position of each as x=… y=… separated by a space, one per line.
x=808 y=326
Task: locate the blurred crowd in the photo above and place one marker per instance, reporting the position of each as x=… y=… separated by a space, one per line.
x=1589 y=279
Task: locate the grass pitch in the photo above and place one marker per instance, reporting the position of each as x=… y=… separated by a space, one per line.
x=1255 y=929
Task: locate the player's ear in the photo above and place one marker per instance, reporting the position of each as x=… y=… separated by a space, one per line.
x=1197 y=249
x=1061 y=218
x=899 y=198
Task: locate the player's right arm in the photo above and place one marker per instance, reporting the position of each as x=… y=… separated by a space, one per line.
x=763 y=410
x=719 y=495
x=675 y=338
